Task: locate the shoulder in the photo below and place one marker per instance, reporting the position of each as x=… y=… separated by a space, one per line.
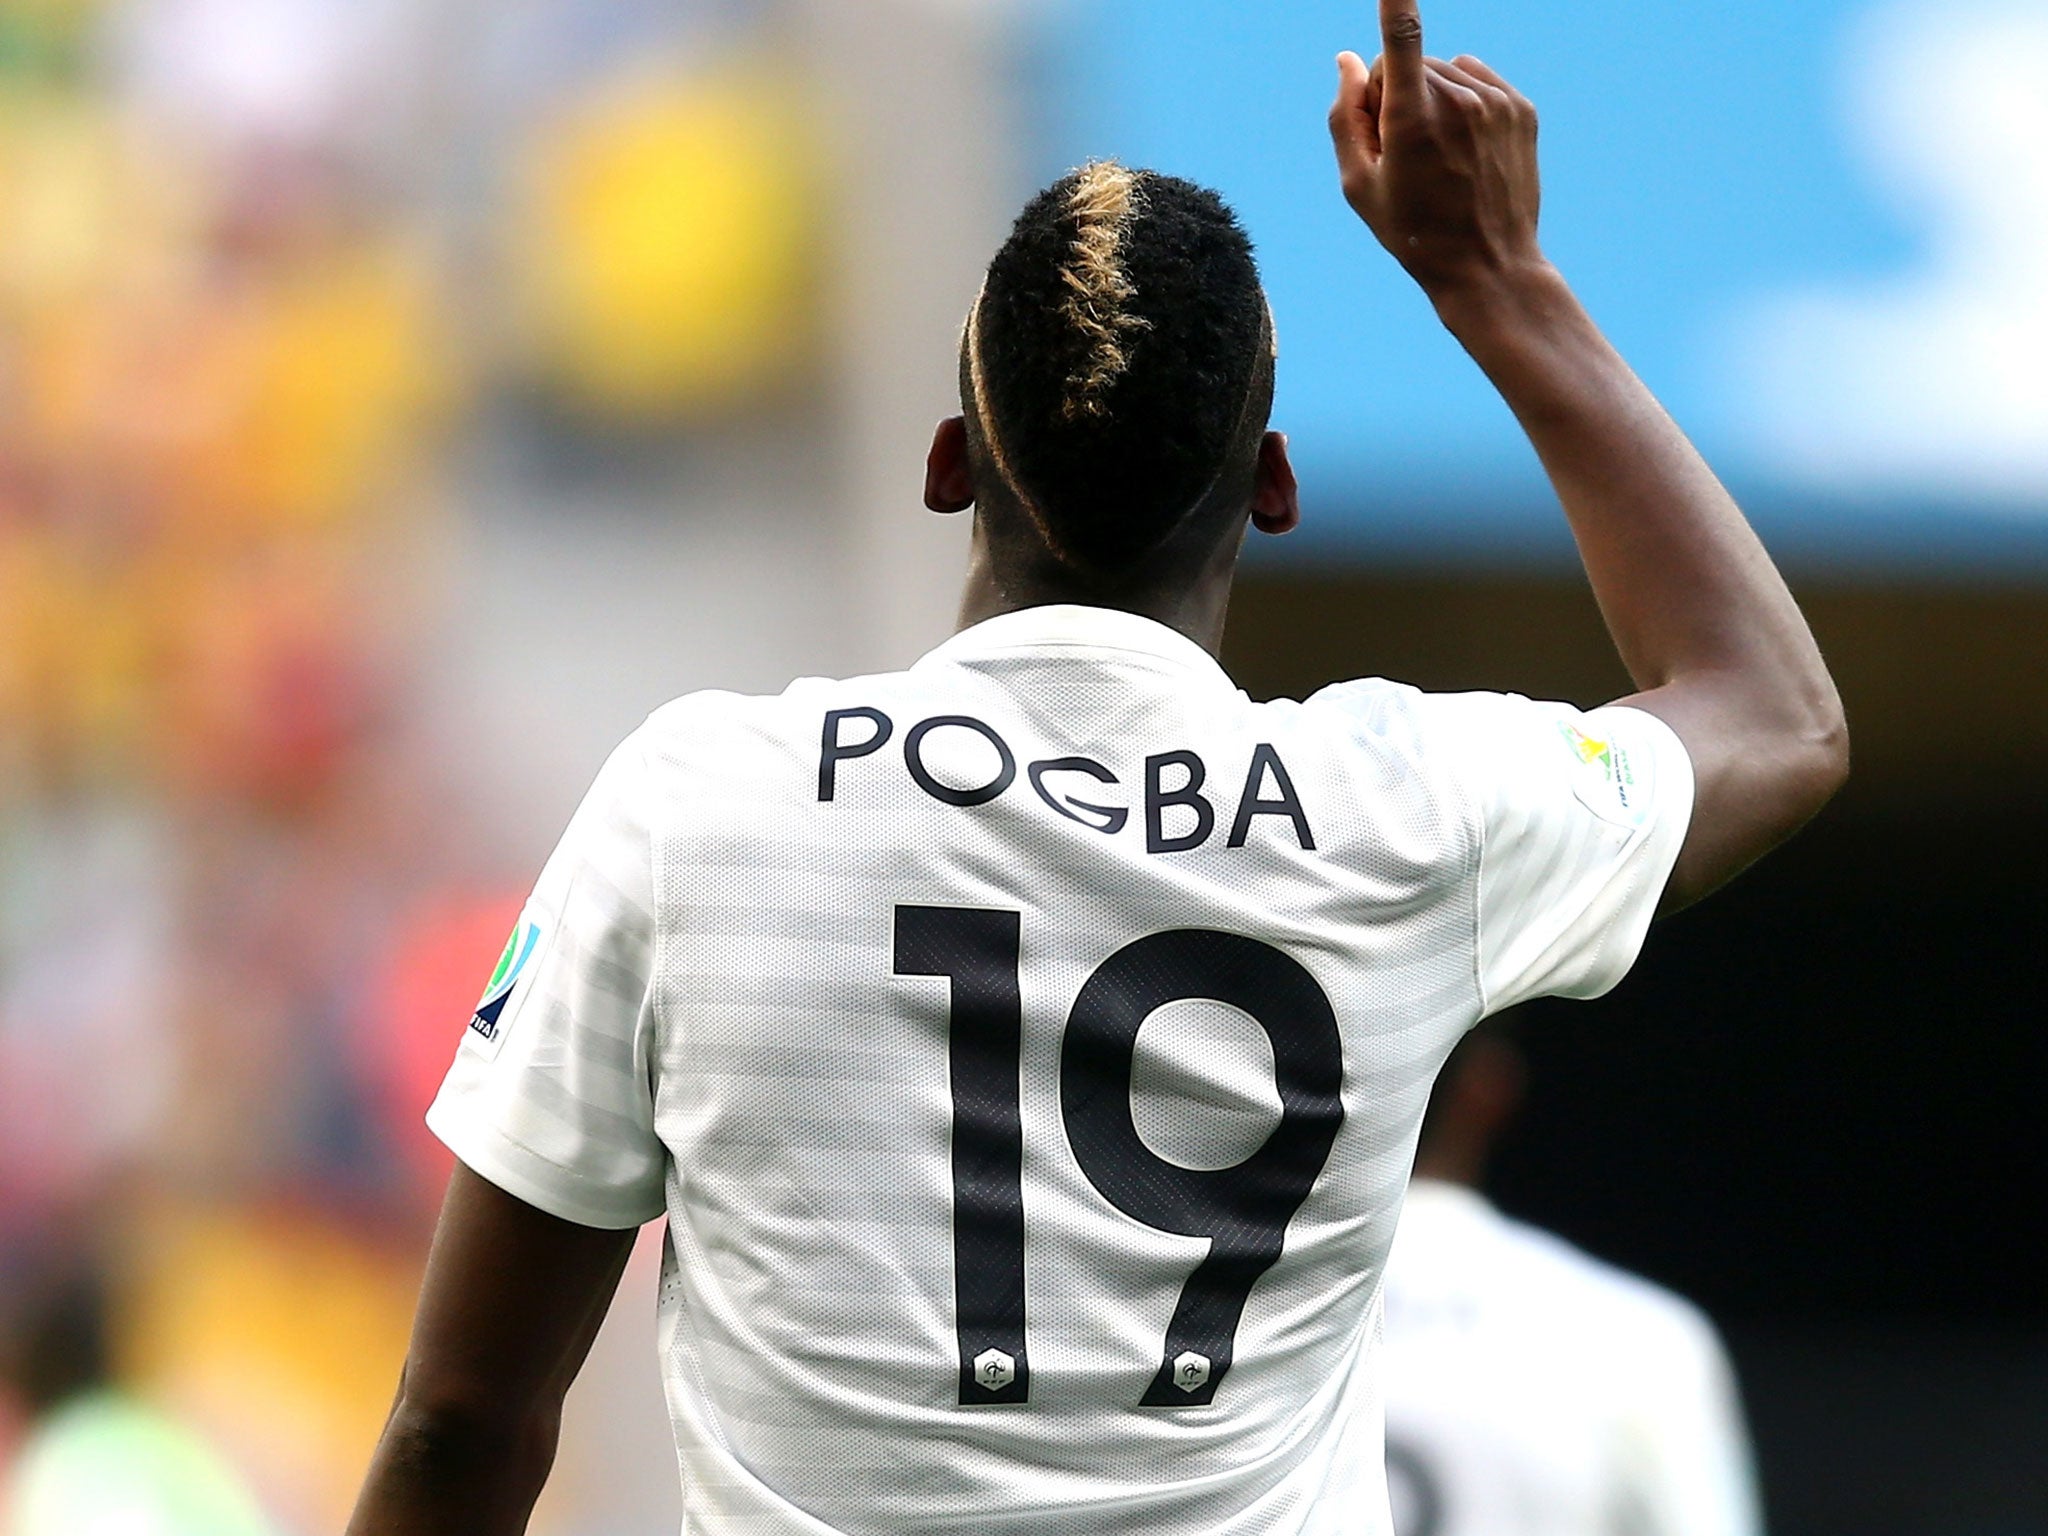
x=716 y=751
x=1442 y=730
x=1473 y=721
x=1465 y=728
x=684 y=726
x=1363 y=704
x=1643 y=1320
x=1423 y=732
x=1520 y=761
x=713 y=709
x=1437 y=741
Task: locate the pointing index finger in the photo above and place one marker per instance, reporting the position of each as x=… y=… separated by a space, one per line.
x=1401 y=43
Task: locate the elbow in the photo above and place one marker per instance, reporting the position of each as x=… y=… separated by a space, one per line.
x=1818 y=754
x=1837 y=773
x=456 y=1437
x=1769 y=768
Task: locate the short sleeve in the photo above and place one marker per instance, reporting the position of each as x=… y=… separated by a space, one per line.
x=551 y=1095
x=1581 y=817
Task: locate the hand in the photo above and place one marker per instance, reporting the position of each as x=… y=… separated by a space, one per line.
x=1438 y=159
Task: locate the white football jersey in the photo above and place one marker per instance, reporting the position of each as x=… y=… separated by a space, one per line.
x=1027 y=1050
x=1532 y=1390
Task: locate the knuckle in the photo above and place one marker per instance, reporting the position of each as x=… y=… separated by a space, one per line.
x=1406 y=122
x=1405 y=31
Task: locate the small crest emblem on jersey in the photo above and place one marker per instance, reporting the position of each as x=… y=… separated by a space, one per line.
x=511 y=965
x=994 y=1369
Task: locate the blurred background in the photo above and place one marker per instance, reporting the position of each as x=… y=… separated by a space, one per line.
x=400 y=398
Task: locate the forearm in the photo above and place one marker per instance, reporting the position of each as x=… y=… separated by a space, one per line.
x=1439 y=159
x=1703 y=622
x=1684 y=584
x=445 y=1474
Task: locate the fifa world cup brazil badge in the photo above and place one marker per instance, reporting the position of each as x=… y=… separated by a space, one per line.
x=1605 y=778
x=511 y=965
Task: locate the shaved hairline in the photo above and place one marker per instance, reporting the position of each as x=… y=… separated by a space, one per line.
x=1265 y=350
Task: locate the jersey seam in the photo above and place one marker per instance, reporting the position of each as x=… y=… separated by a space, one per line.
x=657 y=1015
x=1475 y=829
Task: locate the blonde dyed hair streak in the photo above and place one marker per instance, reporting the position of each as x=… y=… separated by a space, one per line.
x=1105 y=198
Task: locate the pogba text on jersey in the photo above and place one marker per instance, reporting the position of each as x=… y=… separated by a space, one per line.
x=1180 y=807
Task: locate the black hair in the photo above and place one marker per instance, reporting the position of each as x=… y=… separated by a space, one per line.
x=1118 y=367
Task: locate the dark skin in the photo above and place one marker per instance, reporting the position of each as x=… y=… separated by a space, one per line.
x=1438 y=158
x=1194 y=602
x=510 y=1303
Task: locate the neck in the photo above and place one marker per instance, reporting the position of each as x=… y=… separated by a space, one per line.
x=1196 y=609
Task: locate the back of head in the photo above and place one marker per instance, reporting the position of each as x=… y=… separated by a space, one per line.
x=1477 y=1095
x=1118 y=370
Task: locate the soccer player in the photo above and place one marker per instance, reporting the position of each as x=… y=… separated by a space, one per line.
x=1026 y=1049
x=1532 y=1390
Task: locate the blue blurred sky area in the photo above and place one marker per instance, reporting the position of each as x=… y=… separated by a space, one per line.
x=1814 y=226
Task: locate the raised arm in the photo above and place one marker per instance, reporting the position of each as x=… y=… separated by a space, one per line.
x=510 y=1304
x=1439 y=159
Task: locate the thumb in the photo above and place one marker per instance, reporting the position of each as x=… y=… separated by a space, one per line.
x=1354 y=126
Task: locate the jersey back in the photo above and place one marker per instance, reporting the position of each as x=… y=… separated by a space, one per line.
x=1027 y=1051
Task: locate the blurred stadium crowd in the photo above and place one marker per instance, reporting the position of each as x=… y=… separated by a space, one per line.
x=400 y=397
x=273 y=274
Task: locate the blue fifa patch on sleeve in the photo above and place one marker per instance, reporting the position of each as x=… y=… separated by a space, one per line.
x=484 y=1026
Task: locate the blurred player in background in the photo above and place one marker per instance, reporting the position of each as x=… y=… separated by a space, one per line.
x=897 y=996
x=1531 y=1389
x=96 y=1459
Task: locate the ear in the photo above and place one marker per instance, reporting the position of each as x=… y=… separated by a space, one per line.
x=1276 y=499
x=948 y=480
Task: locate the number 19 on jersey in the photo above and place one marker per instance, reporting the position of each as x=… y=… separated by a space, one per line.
x=1243 y=1210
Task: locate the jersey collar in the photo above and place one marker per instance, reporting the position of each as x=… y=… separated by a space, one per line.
x=1078 y=626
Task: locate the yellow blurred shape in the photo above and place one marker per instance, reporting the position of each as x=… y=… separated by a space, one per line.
x=281 y=1334
x=84 y=207
x=335 y=384
x=75 y=655
x=669 y=242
